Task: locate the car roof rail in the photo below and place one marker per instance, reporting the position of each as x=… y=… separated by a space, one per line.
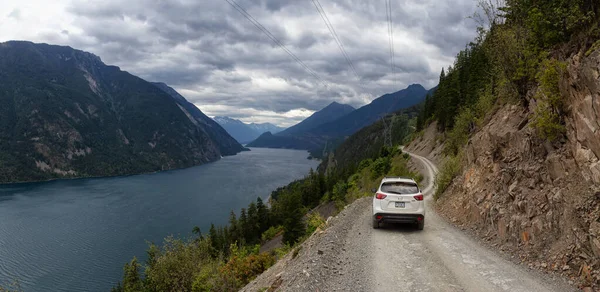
x=401 y=177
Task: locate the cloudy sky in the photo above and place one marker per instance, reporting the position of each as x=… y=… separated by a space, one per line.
x=217 y=59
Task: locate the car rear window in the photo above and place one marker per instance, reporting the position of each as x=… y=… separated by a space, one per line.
x=400 y=188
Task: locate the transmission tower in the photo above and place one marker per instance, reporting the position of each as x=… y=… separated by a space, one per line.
x=387 y=132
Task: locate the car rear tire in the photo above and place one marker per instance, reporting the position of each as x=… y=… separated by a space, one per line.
x=375 y=224
x=421 y=224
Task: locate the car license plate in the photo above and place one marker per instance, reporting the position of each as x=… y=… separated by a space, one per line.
x=399 y=204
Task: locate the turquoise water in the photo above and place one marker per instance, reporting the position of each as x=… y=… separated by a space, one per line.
x=75 y=235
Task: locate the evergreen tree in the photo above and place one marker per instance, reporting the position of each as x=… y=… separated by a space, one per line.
x=253 y=226
x=262 y=214
x=244 y=227
x=234 y=230
x=118 y=288
x=293 y=225
x=132 y=281
x=196 y=230
x=214 y=240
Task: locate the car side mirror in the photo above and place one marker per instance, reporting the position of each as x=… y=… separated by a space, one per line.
x=373 y=190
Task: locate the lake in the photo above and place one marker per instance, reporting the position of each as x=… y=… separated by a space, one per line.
x=76 y=235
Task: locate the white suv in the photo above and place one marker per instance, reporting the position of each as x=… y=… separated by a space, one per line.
x=398 y=200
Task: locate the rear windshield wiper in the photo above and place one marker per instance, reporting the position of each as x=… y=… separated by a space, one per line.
x=392 y=192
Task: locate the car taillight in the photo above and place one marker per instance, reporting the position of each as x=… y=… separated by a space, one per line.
x=419 y=197
x=380 y=196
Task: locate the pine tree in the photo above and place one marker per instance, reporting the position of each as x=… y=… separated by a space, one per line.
x=244 y=227
x=132 y=281
x=214 y=240
x=293 y=225
x=234 y=231
x=262 y=212
x=118 y=288
x=196 y=230
x=253 y=227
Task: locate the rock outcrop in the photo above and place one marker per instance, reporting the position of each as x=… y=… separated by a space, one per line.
x=535 y=199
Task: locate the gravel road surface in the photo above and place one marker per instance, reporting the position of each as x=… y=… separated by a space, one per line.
x=351 y=256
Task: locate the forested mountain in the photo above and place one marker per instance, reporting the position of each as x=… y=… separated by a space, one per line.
x=517 y=121
x=243 y=132
x=329 y=113
x=225 y=258
x=307 y=136
x=66 y=114
x=226 y=144
x=298 y=136
x=368 y=114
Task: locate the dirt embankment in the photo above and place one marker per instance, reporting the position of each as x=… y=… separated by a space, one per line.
x=330 y=260
x=537 y=200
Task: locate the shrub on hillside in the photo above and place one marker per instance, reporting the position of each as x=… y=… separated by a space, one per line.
x=174 y=266
x=244 y=265
x=547 y=118
x=314 y=221
x=450 y=168
x=339 y=191
x=380 y=167
x=364 y=164
x=13 y=287
x=459 y=135
x=271 y=233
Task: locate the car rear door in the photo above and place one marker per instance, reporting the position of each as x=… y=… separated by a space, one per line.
x=399 y=203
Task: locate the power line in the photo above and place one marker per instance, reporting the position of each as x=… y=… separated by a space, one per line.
x=335 y=35
x=388 y=8
x=387 y=130
x=255 y=22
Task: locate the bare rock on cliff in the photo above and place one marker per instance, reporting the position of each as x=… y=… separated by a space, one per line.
x=542 y=204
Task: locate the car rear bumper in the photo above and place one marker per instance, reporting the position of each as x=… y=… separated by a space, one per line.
x=398 y=218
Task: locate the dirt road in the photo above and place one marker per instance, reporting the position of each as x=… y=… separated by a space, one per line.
x=442 y=258
x=351 y=256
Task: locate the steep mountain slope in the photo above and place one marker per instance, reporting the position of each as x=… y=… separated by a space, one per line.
x=303 y=142
x=329 y=113
x=307 y=136
x=297 y=136
x=226 y=143
x=370 y=113
x=537 y=199
x=265 y=127
x=237 y=129
x=243 y=132
x=517 y=117
x=66 y=114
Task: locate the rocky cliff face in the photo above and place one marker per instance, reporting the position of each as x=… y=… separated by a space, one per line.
x=226 y=143
x=65 y=113
x=538 y=200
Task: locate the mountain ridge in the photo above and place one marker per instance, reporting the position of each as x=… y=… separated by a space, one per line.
x=327 y=114
x=243 y=132
x=317 y=137
x=66 y=114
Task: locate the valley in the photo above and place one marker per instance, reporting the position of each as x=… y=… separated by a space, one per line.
x=143 y=182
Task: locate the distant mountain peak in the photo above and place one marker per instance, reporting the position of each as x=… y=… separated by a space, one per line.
x=243 y=132
x=415 y=85
x=329 y=113
x=337 y=105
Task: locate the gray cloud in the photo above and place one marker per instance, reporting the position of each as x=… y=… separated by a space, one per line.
x=15 y=13
x=221 y=62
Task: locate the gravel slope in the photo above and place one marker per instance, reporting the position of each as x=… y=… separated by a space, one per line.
x=351 y=256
